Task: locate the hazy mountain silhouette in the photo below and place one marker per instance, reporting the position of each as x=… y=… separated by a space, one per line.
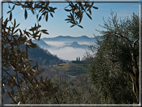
x=76 y=45
x=83 y=38
x=41 y=43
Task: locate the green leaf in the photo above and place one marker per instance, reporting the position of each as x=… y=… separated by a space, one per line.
x=17 y=25
x=13 y=7
x=67 y=10
x=51 y=14
x=39 y=72
x=45 y=31
x=69 y=16
x=27 y=33
x=92 y=3
x=67 y=19
x=39 y=18
x=80 y=26
x=90 y=12
x=20 y=31
x=15 y=31
x=80 y=17
x=34 y=67
x=55 y=8
x=14 y=23
x=33 y=28
x=26 y=14
x=95 y=7
x=8 y=11
x=89 y=16
x=46 y=18
x=39 y=36
x=10 y=17
x=72 y=25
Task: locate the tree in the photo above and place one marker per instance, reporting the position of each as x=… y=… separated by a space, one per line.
x=114 y=68
x=71 y=92
x=16 y=67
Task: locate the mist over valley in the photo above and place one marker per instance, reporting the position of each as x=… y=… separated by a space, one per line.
x=67 y=47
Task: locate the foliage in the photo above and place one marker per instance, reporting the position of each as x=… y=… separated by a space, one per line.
x=15 y=59
x=114 y=68
x=40 y=91
x=72 y=68
x=76 y=10
x=72 y=92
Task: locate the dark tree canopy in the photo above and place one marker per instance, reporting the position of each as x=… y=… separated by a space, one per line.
x=114 y=68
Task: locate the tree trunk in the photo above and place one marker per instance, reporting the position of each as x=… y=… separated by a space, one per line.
x=135 y=85
x=135 y=76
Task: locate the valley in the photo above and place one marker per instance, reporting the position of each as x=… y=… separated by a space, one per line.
x=67 y=47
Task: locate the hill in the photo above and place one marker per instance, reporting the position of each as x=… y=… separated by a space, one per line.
x=76 y=45
x=41 y=56
x=41 y=43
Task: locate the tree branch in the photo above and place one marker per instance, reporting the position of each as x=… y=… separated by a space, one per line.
x=123 y=37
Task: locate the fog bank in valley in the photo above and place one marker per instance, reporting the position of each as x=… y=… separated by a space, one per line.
x=67 y=53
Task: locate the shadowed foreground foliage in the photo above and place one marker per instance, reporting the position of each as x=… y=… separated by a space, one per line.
x=16 y=66
x=114 y=69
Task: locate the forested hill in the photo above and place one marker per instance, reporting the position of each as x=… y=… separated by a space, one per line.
x=41 y=56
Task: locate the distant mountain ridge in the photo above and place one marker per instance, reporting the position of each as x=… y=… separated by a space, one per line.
x=68 y=40
x=41 y=43
x=76 y=45
x=83 y=38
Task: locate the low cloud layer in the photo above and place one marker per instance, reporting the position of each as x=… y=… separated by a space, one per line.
x=67 y=53
x=57 y=44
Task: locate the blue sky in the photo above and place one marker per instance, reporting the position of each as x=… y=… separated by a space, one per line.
x=57 y=26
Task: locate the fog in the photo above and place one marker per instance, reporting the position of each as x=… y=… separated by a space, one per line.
x=57 y=44
x=61 y=44
x=67 y=53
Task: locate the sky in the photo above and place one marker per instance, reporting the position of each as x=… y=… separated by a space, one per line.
x=57 y=25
